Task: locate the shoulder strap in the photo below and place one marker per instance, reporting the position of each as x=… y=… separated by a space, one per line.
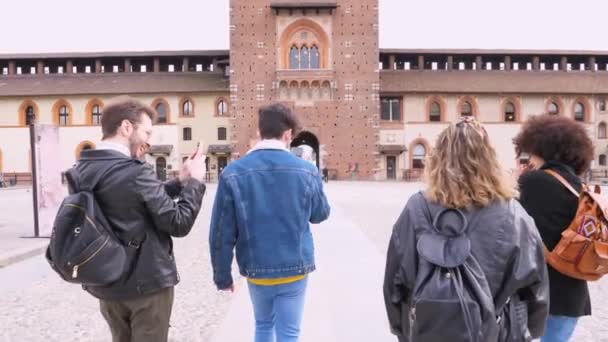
x=75 y=182
x=563 y=181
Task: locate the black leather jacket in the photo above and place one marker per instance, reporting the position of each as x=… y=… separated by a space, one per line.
x=141 y=208
x=506 y=244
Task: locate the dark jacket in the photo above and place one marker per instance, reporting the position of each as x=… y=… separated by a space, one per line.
x=140 y=208
x=504 y=241
x=553 y=207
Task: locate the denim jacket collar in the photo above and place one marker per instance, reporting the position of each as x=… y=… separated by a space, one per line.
x=269 y=144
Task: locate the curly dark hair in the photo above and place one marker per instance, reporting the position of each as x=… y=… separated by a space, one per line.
x=556 y=138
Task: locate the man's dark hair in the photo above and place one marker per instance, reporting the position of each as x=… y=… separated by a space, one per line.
x=275 y=119
x=556 y=138
x=120 y=109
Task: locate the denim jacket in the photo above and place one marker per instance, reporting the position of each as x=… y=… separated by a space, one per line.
x=263 y=206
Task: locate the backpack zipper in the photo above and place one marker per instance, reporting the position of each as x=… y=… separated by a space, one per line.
x=86 y=217
x=75 y=269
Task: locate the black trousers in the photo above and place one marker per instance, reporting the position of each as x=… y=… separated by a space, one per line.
x=144 y=319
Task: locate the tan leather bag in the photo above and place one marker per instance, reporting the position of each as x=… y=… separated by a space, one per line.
x=582 y=252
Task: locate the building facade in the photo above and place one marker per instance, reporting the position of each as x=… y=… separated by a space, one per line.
x=367 y=113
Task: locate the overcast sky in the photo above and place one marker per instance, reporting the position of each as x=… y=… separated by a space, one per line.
x=134 y=25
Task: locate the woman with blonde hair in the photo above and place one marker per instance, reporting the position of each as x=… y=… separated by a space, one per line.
x=465 y=261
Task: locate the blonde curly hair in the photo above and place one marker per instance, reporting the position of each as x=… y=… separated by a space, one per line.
x=462 y=170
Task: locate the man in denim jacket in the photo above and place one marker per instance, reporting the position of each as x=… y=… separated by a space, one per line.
x=263 y=207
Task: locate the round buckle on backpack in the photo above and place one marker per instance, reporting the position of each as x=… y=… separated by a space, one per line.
x=77 y=230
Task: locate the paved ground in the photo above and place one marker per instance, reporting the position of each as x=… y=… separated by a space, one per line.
x=17 y=221
x=344 y=300
x=36 y=306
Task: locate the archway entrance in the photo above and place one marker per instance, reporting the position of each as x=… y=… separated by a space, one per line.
x=310 y=140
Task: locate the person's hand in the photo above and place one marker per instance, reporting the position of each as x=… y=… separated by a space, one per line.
x=229 y=289
x=194 y=167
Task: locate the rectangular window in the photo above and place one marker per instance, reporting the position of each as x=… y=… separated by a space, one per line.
x=221 y=133
x=390 y=109
x=187 y=134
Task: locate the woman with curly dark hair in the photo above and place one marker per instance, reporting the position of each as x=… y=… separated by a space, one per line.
x=560 y=144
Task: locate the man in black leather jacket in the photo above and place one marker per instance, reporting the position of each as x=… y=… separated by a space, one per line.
x=140 y=208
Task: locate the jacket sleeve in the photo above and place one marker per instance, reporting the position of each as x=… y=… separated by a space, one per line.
x=400 y=272
x=173 y=187
x=223 y=235
x=175 y=219
x=320 y=207
x=530 y=271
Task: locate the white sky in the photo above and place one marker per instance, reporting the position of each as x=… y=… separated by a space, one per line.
x=134 y=25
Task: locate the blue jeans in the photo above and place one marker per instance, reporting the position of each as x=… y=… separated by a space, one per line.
x=278 y=310
x=559 y=329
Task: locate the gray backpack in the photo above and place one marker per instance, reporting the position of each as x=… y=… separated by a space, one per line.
x=451 y=298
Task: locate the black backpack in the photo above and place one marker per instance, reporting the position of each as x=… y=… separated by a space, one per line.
x=83 y=247
x=451 y=300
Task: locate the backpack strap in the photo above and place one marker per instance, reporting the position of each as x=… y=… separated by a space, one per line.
x=75 y=181
x=563 y=181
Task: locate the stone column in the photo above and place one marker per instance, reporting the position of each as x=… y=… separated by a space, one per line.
x=479 y=63
x=98 y=66
x=156 y=64
x=508 y=63
x=535 y=63
x=186 y=64
x=127 y=65
x=12 y=68
x=391 y=62
x=420 y=62
x=563 y=65
x=40 y=67
x=450 y=62
x=69 y=65
x=591 y=63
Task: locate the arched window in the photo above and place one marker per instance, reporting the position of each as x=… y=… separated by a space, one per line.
x=187 y=133
x=466 y=109
x=161 y=168
x=64 y=116
x=303 y=44
x=161 y=110
x=601 y=130
x=418 y=156
x=314 y=57
x=95 y=115
x=602 y=160
x=221 y=133
x=294 y=58
x=435 y=112
x=602 y=105
x=304 y=58
x=30 y=115
x=187 y=108
x=85 y=145
x=222 y=108
x=553 y=108
x=509 y=112
x=579 y=112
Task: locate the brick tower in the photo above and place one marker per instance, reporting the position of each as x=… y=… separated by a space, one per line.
x=321 y=59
